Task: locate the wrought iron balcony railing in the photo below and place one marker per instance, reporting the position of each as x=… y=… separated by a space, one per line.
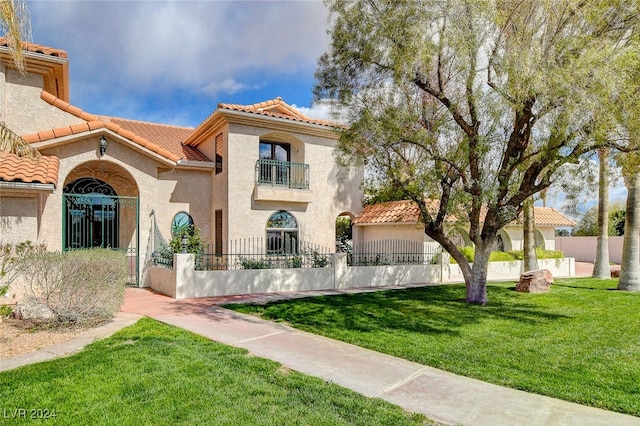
x=282 y=174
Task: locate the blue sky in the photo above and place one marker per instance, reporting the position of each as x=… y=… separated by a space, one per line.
x=173 y=61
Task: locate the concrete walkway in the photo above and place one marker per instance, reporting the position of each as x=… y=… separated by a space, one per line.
x=439 y=395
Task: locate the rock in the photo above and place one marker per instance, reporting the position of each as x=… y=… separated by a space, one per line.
x=615 y=271
x=535 y=281
x=31 y=309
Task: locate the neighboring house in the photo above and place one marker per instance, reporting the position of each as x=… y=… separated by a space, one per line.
x=262 y=171
x=401 y=220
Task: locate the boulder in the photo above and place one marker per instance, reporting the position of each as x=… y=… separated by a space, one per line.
x=31 y=308
x=535 y=281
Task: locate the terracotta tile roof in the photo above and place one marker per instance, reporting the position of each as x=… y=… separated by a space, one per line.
x=406 y=211
x=548 y=216
x=37 y=48
x=165 y=136
x=276 y=108
x=22 y=169
x=161 y=139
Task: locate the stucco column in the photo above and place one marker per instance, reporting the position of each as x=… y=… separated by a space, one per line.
x=184 y=269
x=339 y=270
x=444 y=259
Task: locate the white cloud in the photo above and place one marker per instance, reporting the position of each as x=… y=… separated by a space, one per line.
x=184 y=44
x=228 y=85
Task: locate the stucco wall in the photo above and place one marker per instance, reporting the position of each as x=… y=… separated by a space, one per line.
x=331 y=195
x=365 y=233
x=25 y=112
x=162 y=192
x=584 y=248
x=19 y=218
x=565 y=267
x=185 y=282
x=409 y=232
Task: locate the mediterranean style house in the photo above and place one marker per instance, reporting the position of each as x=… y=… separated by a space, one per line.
x=247 y=171
x=401 y=220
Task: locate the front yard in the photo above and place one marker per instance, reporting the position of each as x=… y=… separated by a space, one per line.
x=154 y=374
x=580 y=342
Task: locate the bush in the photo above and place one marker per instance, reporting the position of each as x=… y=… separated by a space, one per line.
x=540 y=254
x=82 y=287
x=5 y=311
x=194 y=241
x=10 y=261
x=247 y=263
x=501 y=256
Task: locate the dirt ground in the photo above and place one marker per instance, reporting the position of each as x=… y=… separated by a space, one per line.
x=16 y=338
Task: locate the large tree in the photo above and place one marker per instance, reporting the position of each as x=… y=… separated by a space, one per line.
x=474 y=103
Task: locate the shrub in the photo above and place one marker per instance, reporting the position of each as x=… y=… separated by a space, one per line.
x=10 y=257
x=80 y=287
x=5 y=311
x=468 y=252
x=319 y=260
x=194 y=241
x=500 y=256
x=540 y=254
x=247 y=263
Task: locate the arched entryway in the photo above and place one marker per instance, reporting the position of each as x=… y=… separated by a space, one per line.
x=344 y=232
x=100 y=209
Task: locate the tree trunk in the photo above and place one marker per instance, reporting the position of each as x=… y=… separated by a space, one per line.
x=477 y=284
x=601 y=268
x=528 y=227
x=630 y=267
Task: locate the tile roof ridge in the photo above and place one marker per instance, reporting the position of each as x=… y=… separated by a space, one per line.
x=92 y=122
x=263 y=108
x=37 y=48
x=67 y=107
x=131 y=120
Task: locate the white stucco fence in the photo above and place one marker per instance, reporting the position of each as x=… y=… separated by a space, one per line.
x=583 y=249
x=183 y=281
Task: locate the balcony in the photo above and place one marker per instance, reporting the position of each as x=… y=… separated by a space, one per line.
x=282 y=181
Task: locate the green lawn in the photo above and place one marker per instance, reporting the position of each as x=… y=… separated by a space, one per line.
x=580 y=342
x=154 y=374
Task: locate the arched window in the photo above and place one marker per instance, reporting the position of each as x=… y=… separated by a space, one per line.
x=181 y=222
x=282 y=233
x=503 y=242
x=539 y=240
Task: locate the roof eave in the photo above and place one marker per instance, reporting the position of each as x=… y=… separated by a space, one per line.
x=52 y=143
x=53 y=69
x=17 y=186
x=220 y=116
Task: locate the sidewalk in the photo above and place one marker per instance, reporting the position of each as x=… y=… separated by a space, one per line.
x=439 y=395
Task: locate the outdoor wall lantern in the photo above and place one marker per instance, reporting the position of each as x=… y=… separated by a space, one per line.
x=103 y=145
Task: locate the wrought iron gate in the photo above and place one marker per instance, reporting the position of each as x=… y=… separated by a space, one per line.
x=99 y=220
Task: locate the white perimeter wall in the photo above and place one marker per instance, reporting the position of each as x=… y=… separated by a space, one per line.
x=583 y=249
x=184 y=282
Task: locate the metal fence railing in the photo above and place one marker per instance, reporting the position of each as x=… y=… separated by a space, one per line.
x=251 y=253
x=282 y=173
x=394 y=252
x=163 y=258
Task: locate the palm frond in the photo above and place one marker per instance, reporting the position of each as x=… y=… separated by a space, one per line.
x=15 y=23
x=13 y=143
